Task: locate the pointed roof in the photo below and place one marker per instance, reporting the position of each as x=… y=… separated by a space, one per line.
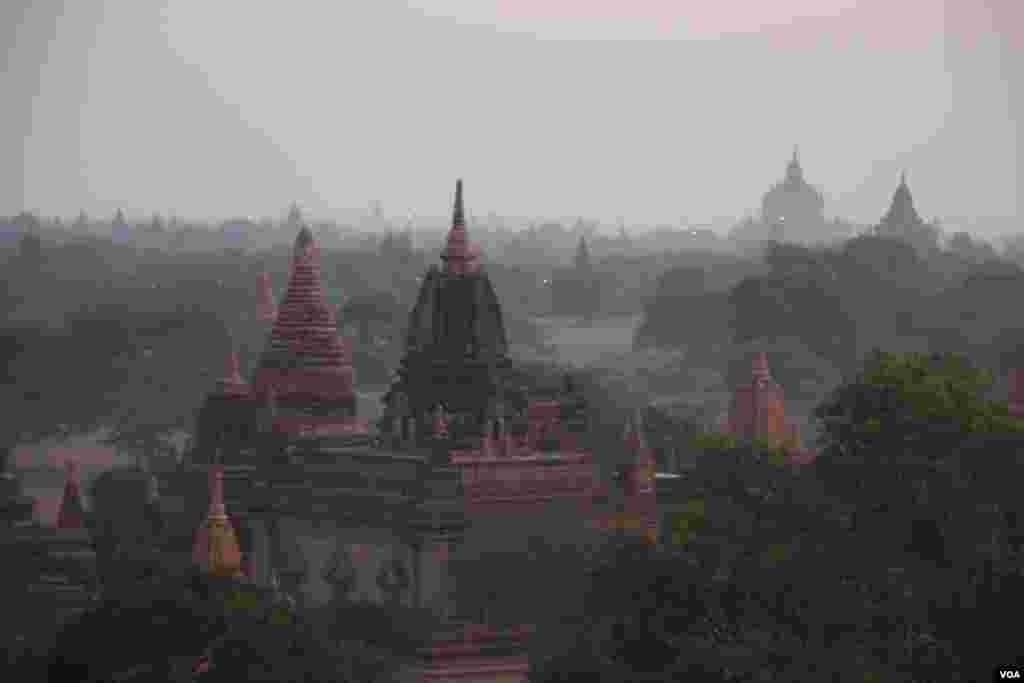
x=901 y=211
x=72 y=509
x=304 y=336
x=216 y=547
x=456 y=252
x=266 y=309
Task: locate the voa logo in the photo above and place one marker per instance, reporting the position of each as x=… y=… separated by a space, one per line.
x=1009 y=674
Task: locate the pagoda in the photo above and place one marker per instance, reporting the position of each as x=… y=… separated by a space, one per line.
x=793 y=208
x=306 y=366
x=636 y=508
x=903 y=222
x=758 y=410
x=456 y=351
x=216 y=549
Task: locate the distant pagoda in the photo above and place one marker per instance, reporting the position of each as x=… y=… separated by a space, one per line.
x=903 y=222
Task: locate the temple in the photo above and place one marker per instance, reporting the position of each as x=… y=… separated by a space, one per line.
x=456 y=355
x=758 y=411
x=216 y=548
x=301 y=494
x=902 y=221
x=792 y=207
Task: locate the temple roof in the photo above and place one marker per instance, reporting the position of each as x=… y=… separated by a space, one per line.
x=901 y=213
x=216 y=547
x=457 y=313
x=779 y=199
x=304 y=336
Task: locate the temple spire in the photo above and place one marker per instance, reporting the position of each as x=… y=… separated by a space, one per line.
x=456 y=254
x=72 y=510
x=216 y=547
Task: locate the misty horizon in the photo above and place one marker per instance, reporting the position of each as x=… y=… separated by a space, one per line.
x=651 y=121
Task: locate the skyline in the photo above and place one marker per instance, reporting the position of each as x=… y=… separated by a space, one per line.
x=603 y=116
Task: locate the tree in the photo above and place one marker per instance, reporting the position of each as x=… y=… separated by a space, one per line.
x=910 y=402
x=160 y=629
x=364 y=310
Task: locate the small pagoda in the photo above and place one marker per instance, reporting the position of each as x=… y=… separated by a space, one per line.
x=758 y=411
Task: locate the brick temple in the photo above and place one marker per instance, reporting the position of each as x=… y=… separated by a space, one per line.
x=324 y=506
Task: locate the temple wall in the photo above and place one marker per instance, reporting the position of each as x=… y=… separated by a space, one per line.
x=369 y=549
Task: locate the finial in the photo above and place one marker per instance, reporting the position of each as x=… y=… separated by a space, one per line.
x=458 y=213
x=456 y=253
x=796 y=154
x=903 y=178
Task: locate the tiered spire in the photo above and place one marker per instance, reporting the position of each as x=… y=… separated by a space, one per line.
x=72 y=510
x=216 y=547
x=304 y=340
x=456 y=254
x=266 y=308
x=902 y=212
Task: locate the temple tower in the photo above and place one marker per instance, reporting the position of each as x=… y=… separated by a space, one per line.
x=902 y=221
x=230 y=417
x=306 y=365
x=758 y=408
x=793 y=209
x=215 y=548
x=456 y=348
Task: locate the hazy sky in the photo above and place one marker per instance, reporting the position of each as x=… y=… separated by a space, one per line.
x=649 y=110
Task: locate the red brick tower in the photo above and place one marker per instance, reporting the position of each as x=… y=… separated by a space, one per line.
x=306 y=364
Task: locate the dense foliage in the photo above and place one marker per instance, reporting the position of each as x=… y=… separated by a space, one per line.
x=892 y=558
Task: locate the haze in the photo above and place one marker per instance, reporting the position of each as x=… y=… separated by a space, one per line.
x=658 y=113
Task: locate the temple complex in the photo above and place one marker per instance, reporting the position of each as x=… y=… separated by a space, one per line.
x=325 y=505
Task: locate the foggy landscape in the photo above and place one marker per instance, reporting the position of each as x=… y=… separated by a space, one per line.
x=511 y=341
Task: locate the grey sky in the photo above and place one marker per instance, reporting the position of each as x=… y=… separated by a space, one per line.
x=238 y=107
